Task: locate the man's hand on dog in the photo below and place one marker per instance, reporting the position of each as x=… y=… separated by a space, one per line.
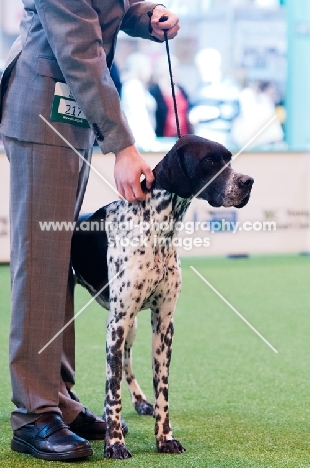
x=171 y=25
x=129 y=166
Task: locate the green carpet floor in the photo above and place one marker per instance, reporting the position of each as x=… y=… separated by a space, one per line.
x=234 y=402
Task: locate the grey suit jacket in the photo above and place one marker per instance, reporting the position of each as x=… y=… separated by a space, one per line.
x=70 y=41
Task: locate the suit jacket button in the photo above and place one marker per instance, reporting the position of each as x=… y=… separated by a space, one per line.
x=97 y=132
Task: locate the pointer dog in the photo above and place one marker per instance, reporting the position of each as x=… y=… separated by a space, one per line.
x=146 y=274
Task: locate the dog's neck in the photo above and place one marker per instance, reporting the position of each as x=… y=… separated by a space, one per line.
x=180 y=206
x=165 y=210
x=168 y=204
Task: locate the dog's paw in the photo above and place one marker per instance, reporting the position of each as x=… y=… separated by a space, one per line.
x=117 y=451
x=144 y=408
x=171 y=446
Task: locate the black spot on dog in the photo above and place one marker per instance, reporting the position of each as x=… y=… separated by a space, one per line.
x=166 y=426
x=147 y=215
x=165 y=393
x=162 y=205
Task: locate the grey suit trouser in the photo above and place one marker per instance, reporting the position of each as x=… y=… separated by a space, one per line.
x=46 y=185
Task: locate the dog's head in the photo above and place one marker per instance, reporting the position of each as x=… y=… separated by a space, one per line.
x=199 y=167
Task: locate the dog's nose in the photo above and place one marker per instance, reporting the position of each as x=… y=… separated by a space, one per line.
x=245 y=181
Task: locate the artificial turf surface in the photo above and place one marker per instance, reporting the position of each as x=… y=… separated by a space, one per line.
x=233 y=401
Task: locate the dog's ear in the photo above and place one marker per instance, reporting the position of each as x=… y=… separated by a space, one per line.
x=170 y=174
x=174 y=172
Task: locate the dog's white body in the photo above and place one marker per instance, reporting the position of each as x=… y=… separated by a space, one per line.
x=145 y=273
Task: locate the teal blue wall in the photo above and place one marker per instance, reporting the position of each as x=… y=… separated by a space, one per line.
x=298 y=76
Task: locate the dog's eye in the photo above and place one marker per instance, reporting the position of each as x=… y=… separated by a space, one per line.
x=210 y=162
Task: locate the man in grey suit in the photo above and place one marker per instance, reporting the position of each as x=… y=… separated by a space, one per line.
x=59 y=68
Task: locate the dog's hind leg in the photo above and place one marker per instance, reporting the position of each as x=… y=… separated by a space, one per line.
x=139 y=401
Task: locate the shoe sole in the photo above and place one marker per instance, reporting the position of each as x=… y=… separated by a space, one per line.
x=21 y=446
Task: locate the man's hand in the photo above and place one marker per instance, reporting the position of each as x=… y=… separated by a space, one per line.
x=129 y=166
x=171 y=25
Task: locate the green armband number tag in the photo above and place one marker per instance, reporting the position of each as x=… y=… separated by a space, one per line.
x=65 y=108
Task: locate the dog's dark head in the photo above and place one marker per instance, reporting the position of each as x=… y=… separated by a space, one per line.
x=199 y=167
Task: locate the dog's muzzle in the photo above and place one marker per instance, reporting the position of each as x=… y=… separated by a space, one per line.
x=240 y=193
x=245 y=183
x=235 y=192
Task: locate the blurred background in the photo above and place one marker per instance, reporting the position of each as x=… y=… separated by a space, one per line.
x=230 y=62
x=236 y=64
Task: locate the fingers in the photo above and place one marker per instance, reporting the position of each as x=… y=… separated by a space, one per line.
x=129 y=167
x=149 y=176
x=133 y=194
x=171 y=33
x=131 y=191
x=171 y=25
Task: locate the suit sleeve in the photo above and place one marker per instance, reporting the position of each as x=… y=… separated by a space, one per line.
x=136 y=22
x=74 y=34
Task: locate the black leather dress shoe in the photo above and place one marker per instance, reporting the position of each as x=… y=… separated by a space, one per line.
x=91 y=427
x=50 y=438
x=88 y=426
x=86 y=432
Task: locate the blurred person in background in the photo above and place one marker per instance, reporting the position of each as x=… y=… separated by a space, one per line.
x=215 y=104
x=257 y=107
x=160 y=89
x=138 y=104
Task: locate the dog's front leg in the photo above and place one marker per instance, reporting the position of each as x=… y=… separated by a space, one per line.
x=118 y=326
x=162 y=326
